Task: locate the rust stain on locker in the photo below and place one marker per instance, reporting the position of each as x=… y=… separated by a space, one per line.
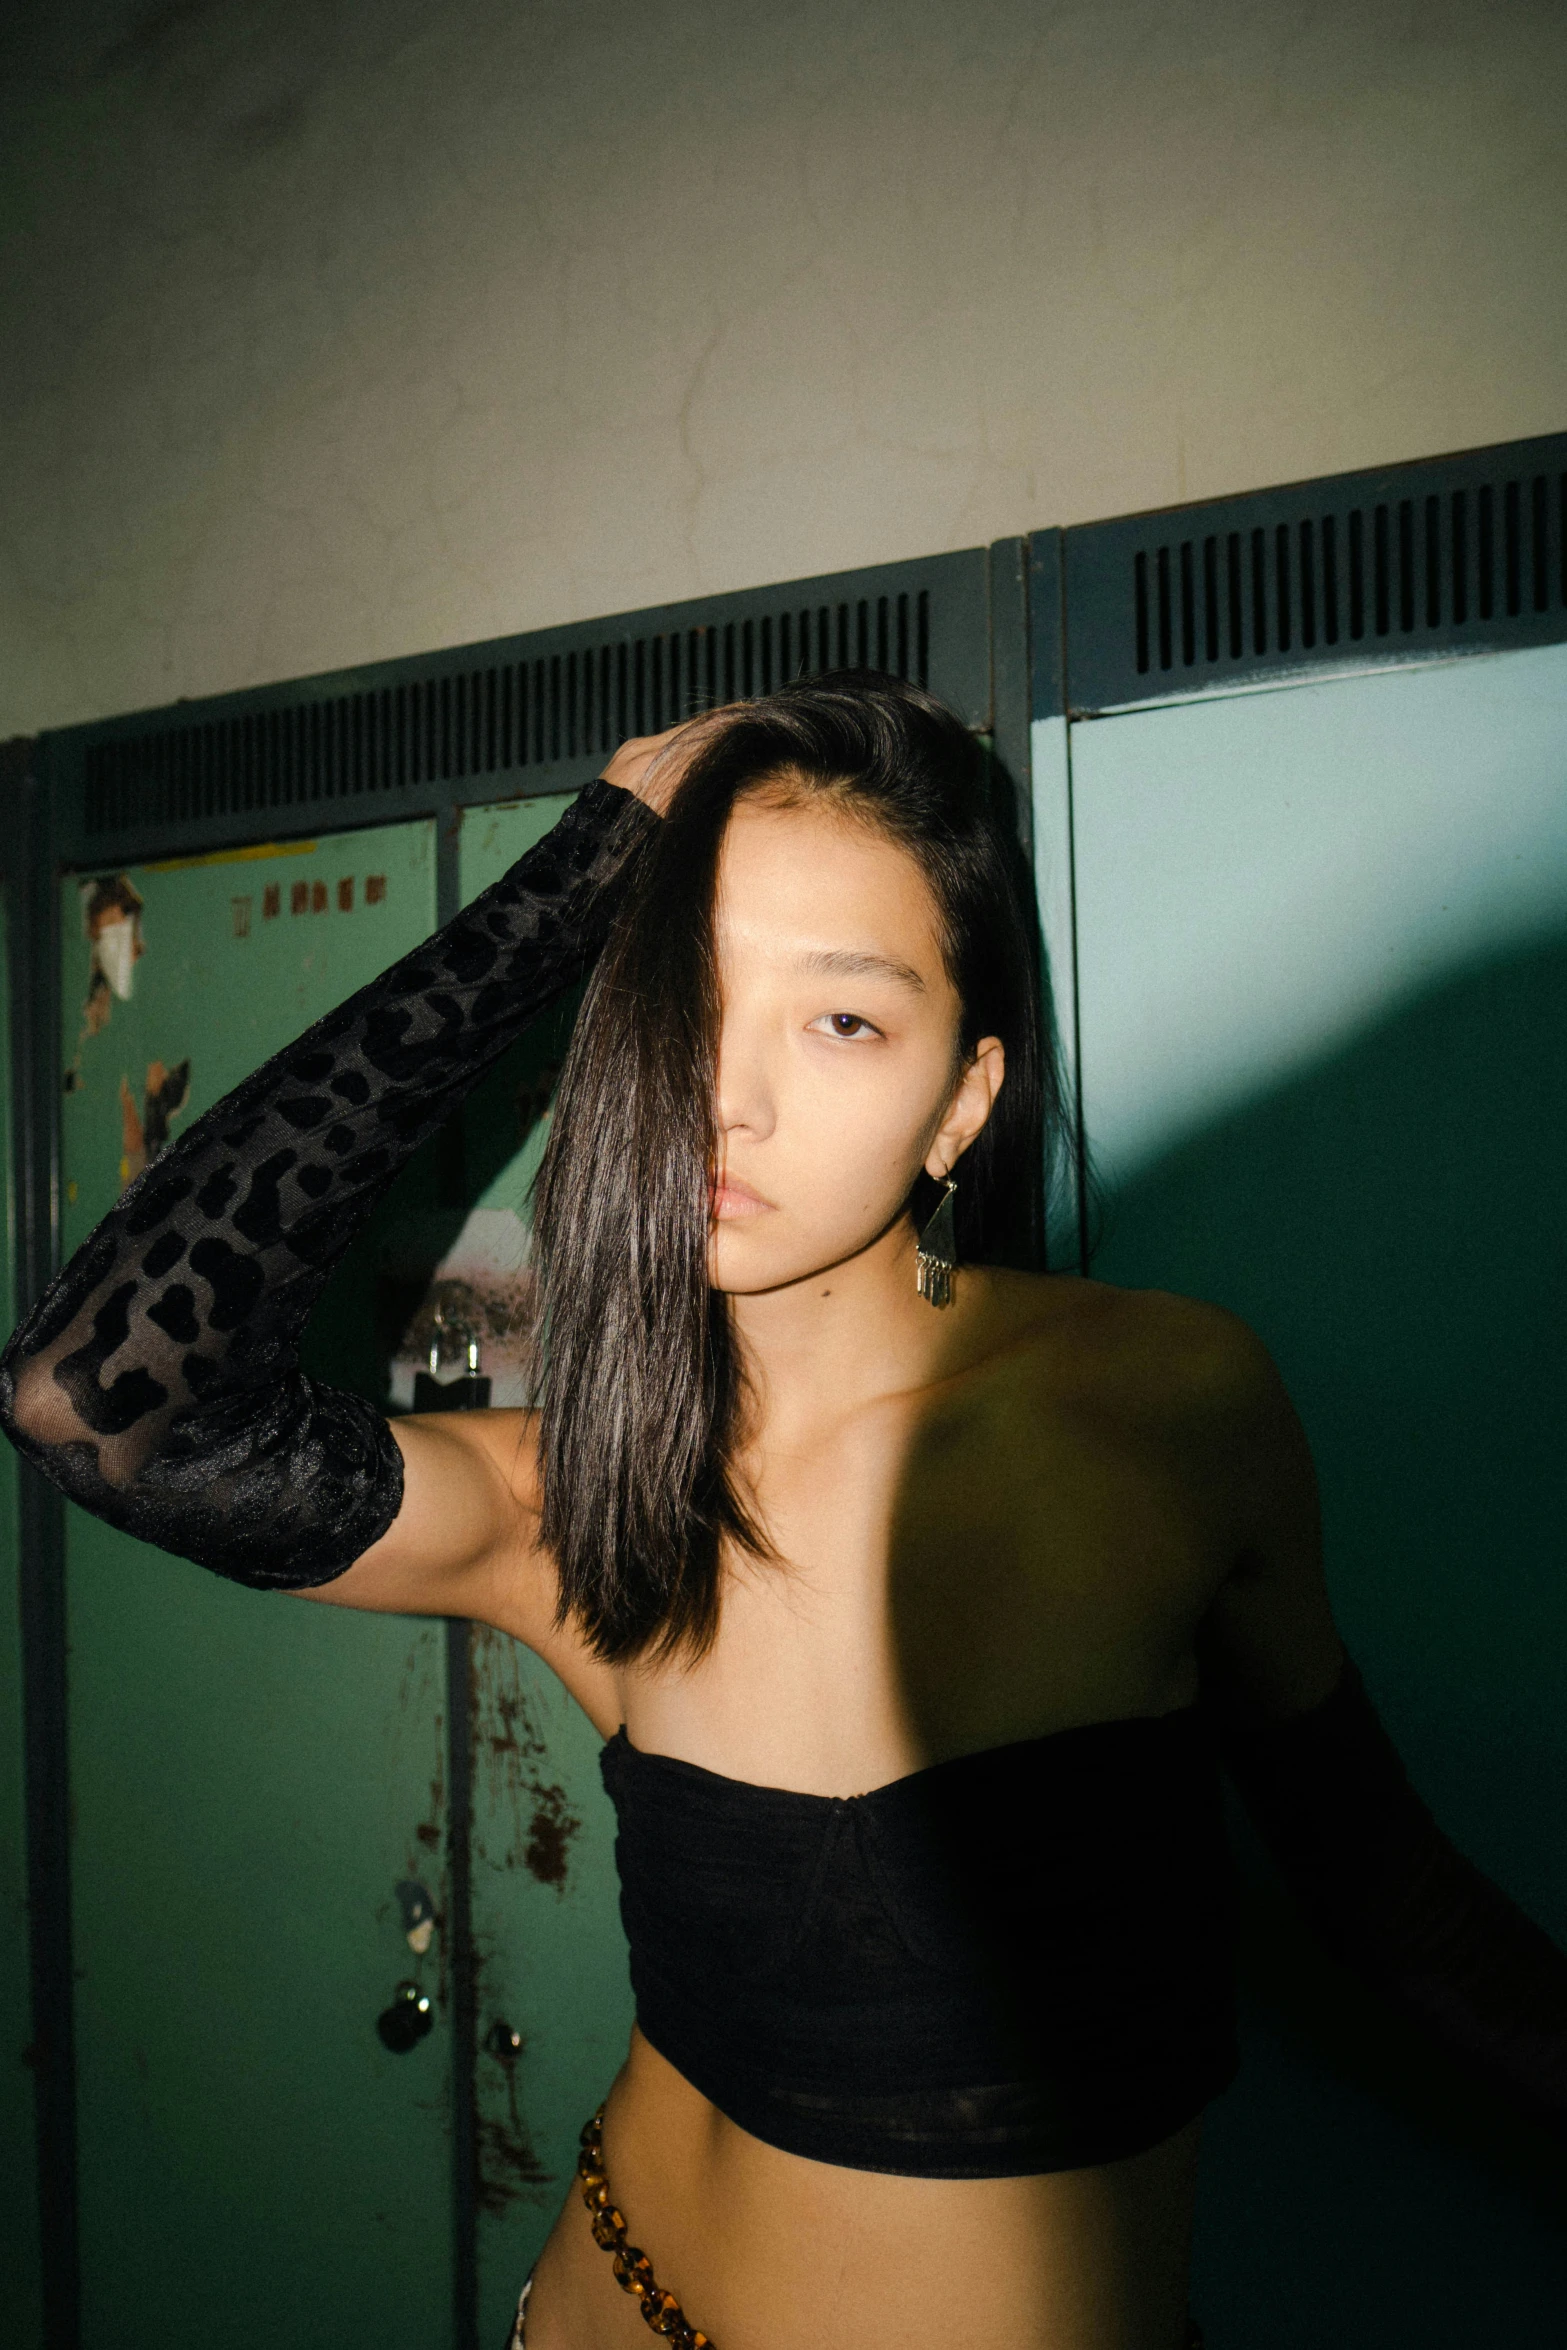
x=549 y=1836
x=538 y=1823
x=509 y=2165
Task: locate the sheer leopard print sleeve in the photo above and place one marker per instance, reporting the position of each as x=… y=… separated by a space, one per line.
x=156 y=1381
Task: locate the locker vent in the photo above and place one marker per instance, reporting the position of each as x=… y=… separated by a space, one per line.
x=571 y=705
x=1401 y=568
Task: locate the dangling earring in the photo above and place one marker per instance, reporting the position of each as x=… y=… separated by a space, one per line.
x=937 y=1254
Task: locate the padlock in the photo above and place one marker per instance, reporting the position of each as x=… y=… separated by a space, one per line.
x=406 y=2021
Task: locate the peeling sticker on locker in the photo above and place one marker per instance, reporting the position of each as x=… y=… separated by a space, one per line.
x=244 y=856
x=418 y=1914
x=145 y=1130
x=111 y=919
x=375 y=888
x=534 y=1098
x=111 y=923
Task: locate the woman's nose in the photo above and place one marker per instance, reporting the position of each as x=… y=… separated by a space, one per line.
x=746 y=1098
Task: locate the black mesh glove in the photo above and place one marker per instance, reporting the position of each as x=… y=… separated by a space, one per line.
x=156 y=1381
x=1397 y=1902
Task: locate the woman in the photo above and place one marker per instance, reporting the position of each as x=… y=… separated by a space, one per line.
x=889 y=1571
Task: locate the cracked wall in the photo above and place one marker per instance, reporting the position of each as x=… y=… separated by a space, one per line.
x=337 y=331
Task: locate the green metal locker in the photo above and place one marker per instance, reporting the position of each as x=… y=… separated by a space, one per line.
x=251 y=1777
x=1310 y=894
x=20 y=2249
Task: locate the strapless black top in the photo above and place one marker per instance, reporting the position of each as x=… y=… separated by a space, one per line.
x=1020 y=1960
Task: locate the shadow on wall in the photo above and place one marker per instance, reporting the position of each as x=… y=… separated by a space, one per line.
x=1391 y=1222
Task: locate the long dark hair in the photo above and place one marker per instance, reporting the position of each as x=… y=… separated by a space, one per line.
x=643 y=1381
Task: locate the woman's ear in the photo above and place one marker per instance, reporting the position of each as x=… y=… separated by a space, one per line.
x=969 y=1107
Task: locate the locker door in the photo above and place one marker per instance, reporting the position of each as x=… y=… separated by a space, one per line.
x=252 y=1776
x=1322 y=973
x=19 y=2247
x=551 y=1959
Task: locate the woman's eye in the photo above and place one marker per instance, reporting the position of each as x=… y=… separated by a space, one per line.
x=846 y=1024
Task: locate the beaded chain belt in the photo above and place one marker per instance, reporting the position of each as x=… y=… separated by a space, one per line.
x=661 y=2312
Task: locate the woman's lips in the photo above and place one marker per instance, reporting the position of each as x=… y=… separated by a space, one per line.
x=732 y=1199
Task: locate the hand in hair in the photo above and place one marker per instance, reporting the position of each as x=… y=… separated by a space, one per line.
x=651 y=765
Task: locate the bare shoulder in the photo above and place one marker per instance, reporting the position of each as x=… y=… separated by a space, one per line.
x=1176 y=1380
x=1269 y=1645
x=1197 y=1357
x=1184 y=1400
x=1152 y=1349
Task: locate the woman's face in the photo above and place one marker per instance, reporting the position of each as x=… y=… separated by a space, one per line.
x=837 y=1075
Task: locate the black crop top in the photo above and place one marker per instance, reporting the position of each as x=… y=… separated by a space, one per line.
x=1020 y=1960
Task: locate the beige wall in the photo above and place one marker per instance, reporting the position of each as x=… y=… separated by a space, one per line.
x=335 y=329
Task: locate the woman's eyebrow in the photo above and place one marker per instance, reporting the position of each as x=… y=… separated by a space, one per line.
x=857 y=963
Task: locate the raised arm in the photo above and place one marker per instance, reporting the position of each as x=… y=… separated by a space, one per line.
x=156 y=1381
x=1323 y=1783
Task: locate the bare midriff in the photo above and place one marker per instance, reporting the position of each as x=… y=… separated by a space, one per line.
x=769 y=2251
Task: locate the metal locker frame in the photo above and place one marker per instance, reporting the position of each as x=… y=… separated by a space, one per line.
x=1395 y=566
